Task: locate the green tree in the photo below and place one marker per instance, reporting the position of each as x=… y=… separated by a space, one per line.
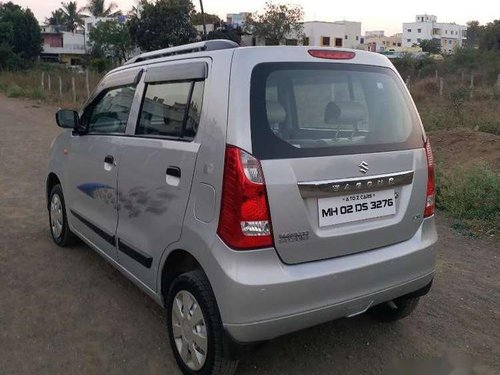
x=57 y=18
x=73 y=18
x=113 y=38
x=490 y=36
x=98 y=8
x=226 y=32
x=431 y=46
x=210 y=19
x=163 y=24
x=276 y=23
x=473 y=33
x=19 y=29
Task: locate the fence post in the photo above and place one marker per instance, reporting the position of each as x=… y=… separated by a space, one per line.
x=436 y=74
x=498 y=85
x=60 y=87
x=43 y=81
x=87 y=82
x=441 y=84
x=49 y=83
x=73 y=88
x=471 y=85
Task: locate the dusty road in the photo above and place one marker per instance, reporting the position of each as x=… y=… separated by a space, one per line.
x=66 y=311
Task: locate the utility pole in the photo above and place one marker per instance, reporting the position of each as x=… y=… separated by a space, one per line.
x=203 y=20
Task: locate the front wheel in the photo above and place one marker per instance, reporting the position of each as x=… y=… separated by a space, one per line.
x=59 y=228
x=195 y=329
x=394 y=310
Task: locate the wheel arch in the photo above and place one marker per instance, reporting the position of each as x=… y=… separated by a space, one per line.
x=52 y=180
x=177 y=262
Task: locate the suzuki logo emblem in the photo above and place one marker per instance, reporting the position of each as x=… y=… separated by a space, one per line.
x=363 y=167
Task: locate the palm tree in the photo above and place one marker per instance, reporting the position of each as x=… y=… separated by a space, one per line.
x=56 y=18
x=73 y=17
x=97 y=8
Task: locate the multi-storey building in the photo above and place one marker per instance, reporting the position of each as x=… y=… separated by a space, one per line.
x=426 y=27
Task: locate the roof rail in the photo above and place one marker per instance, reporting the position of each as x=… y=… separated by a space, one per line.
x=208 y=45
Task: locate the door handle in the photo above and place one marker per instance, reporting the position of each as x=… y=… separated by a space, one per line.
x=109 y=162
x=174 y=172
x=173 y=177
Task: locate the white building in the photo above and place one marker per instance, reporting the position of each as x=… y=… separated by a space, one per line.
x=344 y=34
x=426 y=27
x=237 y=19
x=62 y=46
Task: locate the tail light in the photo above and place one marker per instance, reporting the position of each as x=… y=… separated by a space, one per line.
x=431 y=184
x=245 y=222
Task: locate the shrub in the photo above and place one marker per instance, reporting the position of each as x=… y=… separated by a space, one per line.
x=14 y=91
x=472 y=195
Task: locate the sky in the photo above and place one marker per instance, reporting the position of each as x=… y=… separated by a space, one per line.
x=387 y=15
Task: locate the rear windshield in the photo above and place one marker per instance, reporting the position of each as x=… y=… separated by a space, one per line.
x=319 y=109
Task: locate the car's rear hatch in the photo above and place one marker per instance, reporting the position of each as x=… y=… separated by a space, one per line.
x=341 y=148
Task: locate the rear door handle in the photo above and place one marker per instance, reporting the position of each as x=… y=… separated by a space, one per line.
x=173 y=176
x=109 y=162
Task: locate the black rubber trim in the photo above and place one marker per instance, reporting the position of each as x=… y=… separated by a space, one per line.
x=136 y=255
x=105 y=236
x=420 y=292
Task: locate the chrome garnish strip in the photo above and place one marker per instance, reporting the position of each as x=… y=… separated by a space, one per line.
x=353 y=185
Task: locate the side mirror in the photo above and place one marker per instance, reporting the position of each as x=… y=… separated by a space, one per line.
x=67 y=119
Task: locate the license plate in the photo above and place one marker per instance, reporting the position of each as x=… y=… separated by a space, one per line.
x=361 y=206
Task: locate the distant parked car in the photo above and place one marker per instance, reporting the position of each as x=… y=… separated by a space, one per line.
x=251 y=191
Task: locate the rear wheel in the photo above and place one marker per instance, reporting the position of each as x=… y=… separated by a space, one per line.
x=394 y=310
x=59 y=228
x=195 y=329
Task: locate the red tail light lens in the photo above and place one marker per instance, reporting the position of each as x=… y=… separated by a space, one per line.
x=333 y=55
x=245 y=222
x=430 y=198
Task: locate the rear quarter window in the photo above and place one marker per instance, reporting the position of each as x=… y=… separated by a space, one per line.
x=320 y=109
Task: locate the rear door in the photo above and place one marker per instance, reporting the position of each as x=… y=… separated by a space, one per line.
x=342 y=153
x=157 y=164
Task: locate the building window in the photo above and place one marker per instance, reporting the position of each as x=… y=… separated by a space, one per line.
x=419 y=30
x=346 y=37
x=409 y=30
x=338 y=42
x=408 y=40
x=399 y=44
x=325 y=40
x=446 y=31
x=357 y=37
x=419 y=40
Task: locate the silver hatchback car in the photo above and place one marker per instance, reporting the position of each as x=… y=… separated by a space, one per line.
x=252 y=192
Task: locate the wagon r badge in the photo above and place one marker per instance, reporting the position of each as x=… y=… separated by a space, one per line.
x=363 y=167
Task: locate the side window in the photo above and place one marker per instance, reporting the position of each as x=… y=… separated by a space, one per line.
x=171 y=109
x=110 y=113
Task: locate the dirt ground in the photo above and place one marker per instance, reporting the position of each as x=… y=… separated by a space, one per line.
x=67 y=311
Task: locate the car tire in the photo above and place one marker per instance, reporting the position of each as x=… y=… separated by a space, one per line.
x=394 y=310
x=58 y=221
x=192 y=314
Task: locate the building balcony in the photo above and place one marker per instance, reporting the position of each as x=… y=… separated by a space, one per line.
x=69 y=49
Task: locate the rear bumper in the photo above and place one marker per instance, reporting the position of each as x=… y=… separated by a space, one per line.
x=261 y=298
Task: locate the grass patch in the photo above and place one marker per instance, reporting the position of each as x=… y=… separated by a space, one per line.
x=472 y=196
